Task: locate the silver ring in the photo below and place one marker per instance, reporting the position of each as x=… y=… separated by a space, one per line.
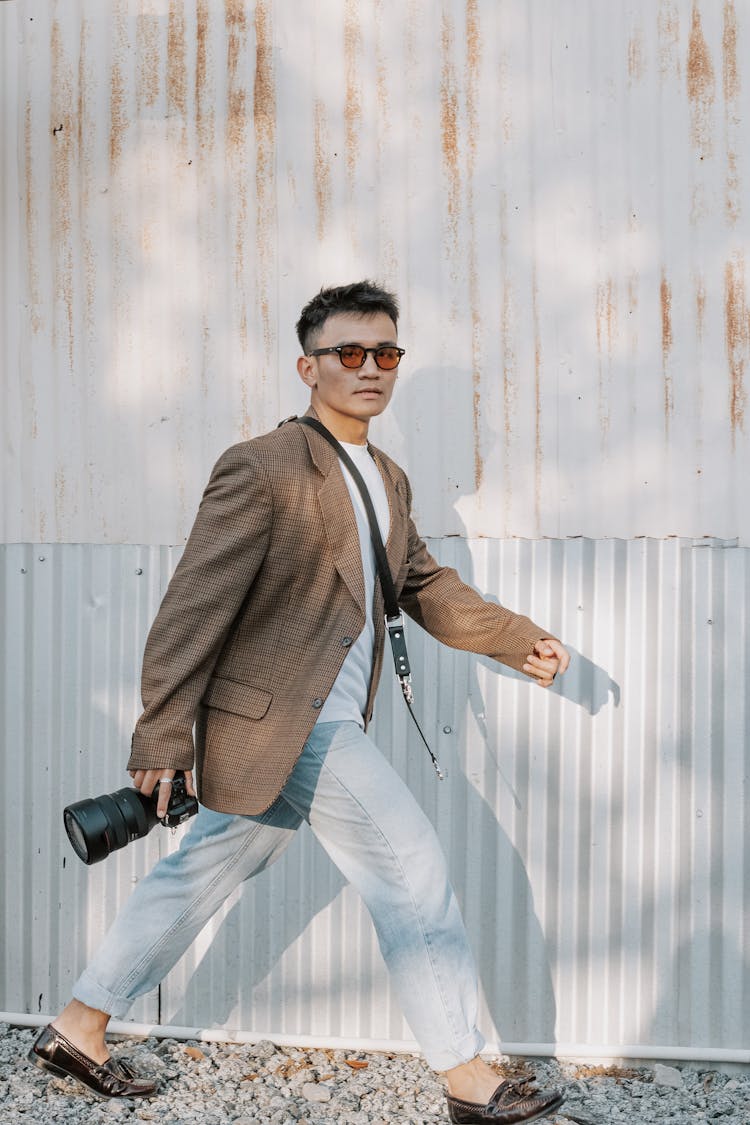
x=167 y=779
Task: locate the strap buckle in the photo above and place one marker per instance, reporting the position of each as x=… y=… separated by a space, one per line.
x=395 y=627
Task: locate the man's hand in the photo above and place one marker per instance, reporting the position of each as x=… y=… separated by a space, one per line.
x=146 y=780
x=548 y=658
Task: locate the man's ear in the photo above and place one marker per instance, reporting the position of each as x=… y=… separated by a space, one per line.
x=306 y=371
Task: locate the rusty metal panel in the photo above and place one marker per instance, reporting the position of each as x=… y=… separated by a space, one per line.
x=596 y=833
x=560 y=201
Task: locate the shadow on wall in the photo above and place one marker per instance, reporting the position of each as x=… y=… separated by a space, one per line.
x=512 y=948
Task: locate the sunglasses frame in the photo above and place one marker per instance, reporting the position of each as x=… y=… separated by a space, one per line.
x=381 y=347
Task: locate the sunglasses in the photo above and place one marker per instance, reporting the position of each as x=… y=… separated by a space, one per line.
x=353 y=356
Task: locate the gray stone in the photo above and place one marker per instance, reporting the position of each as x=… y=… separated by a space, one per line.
x=316 y=1092
x=265 y=1049
x=667 y=1076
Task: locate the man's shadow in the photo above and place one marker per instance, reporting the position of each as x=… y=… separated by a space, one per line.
x=491 y=787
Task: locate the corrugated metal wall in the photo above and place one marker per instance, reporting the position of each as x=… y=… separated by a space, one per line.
x=596 y=833
x=557 y=193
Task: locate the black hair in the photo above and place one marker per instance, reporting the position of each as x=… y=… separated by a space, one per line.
x=363 y=298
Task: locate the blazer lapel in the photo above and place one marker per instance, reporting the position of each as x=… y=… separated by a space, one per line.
x=338 y=515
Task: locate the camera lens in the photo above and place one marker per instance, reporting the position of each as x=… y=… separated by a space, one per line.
x=100 y=825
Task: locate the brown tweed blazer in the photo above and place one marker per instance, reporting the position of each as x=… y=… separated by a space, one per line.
x=260 y=613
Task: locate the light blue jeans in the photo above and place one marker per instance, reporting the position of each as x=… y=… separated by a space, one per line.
x=377 y=835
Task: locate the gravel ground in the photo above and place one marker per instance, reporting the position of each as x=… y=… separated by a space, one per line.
x=219 y=1083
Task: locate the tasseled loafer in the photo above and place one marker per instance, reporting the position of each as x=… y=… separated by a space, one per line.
x=512 y=1102
x=113 y=1079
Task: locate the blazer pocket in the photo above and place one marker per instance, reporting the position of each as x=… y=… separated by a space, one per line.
x=240 y=699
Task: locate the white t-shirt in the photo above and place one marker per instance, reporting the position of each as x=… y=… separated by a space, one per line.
x=348 y=696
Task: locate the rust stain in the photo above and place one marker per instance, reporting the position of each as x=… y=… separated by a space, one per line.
x=701 y=87
x=636 y=57
x=700 y=206
x=35 y=304
x=118 y=117
x=510 y=390
x=264 y=95
x=731 y=84
x=382 y=77
x=731 y=74
x=353 y=98
x=473 y=62
x=147 y=48
x=322 y=167
x=508 y=356
x=176 y=64
x=264 y=121
x=31 y=265
x=449 y=132
x=606 y=316
x=201 y=46
x=668 y=24
x=700 y=307
x=81 y=85
x=64 y=134
x=733 y=195
x=665 y=298
x=236 y=24
x=504 y=99
x=204 y=97
x=118 y=121
x=86 y=134
x=236 y=126
x=59 y=499
x=737 y=336
x=606 y=331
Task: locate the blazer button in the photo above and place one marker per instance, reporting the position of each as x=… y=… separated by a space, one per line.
x=317 y=704
x=347 y=641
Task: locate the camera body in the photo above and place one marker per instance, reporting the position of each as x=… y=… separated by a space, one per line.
x=181 y=805
x=98 y=826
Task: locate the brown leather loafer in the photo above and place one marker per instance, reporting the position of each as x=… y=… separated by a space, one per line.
x=512 y=1102
x=53 y=1052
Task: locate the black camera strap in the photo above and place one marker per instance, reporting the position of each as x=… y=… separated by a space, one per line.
x=394 y=619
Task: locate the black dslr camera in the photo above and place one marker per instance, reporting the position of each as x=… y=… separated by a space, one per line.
x=100 y=825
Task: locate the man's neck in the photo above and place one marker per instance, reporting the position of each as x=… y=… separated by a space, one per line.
x=353 y=431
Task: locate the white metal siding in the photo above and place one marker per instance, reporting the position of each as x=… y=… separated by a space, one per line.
x=557 y=192
x=597 y=832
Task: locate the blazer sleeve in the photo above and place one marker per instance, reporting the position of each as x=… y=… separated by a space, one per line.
x=454 y=613
x=222 y=557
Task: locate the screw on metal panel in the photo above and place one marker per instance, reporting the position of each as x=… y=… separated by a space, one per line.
x=41 y=558
x=23 y=570
x=447 y=730
x=139 y=570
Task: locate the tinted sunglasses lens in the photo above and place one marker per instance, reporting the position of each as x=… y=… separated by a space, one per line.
x=387 y=358
x=352 y=356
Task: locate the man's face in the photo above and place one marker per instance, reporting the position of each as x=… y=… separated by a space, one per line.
x=350 y=397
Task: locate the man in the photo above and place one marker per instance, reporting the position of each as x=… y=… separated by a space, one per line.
x=270 y=640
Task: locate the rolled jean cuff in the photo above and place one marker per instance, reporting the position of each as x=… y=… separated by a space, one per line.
x=88 y=992
x=445 y=1058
